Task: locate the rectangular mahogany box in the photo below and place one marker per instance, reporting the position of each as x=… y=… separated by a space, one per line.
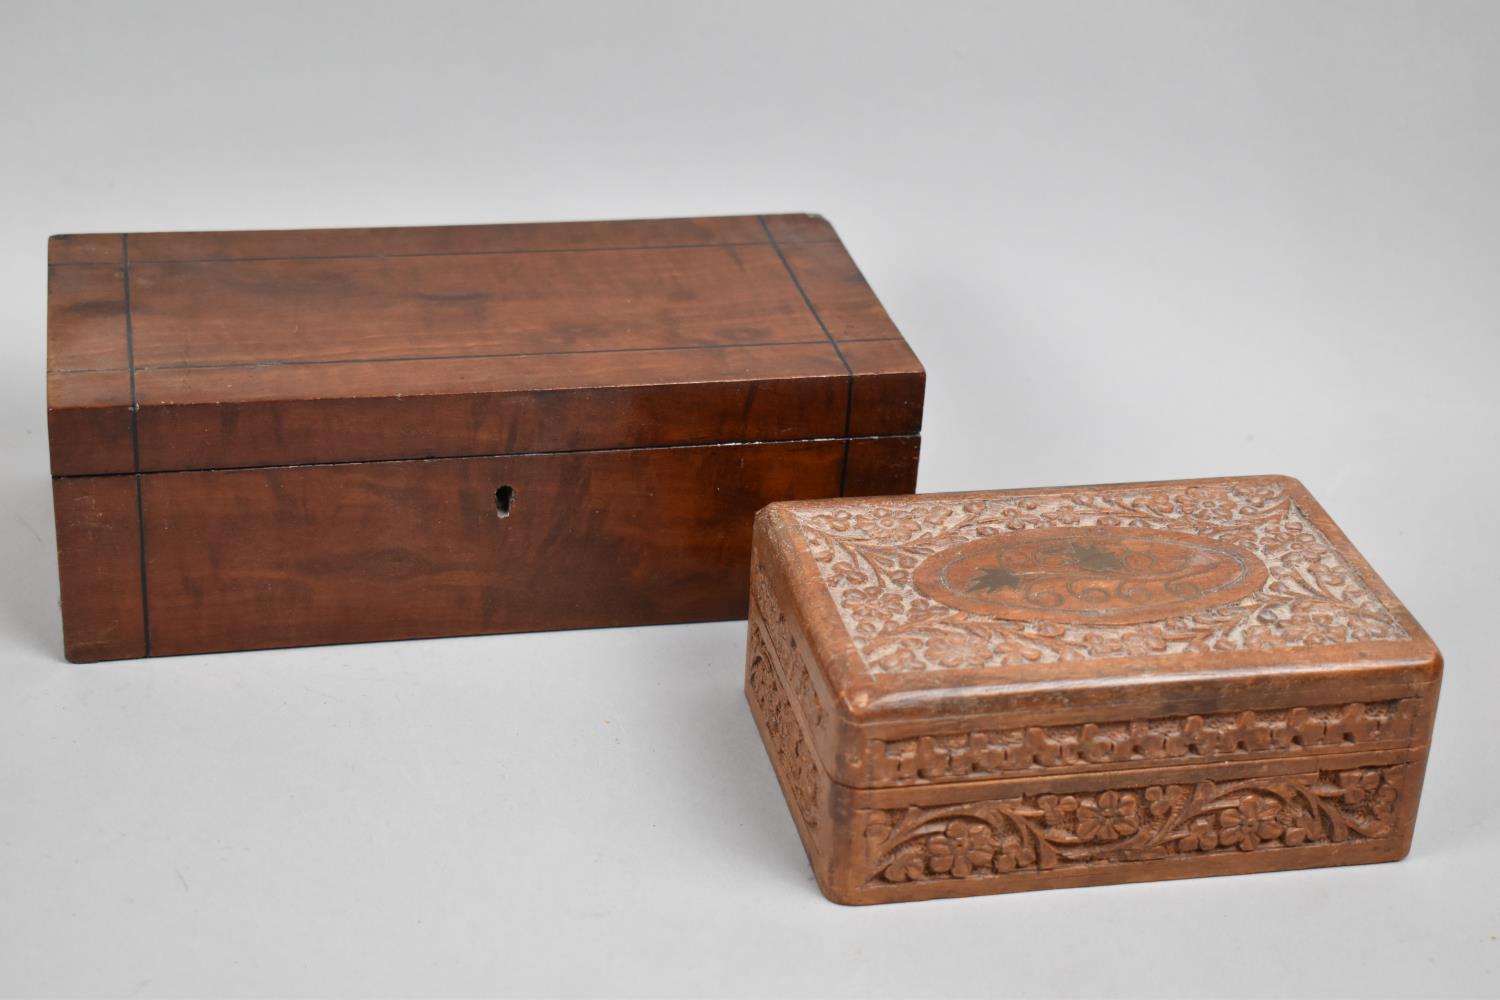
x=283 y=438
x=987 y=692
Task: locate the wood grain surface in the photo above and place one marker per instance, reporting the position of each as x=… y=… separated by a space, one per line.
x=204 y=373
x=388 y=550
x=989 y=692
x=99 y=567
x=360 y=345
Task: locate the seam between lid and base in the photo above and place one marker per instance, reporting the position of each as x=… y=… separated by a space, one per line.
x=496 y=455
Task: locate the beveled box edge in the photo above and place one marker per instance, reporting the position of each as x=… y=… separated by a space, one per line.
x=835 y=821
x=857 y=699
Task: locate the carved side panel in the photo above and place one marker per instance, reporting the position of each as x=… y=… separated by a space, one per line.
x=790 y=657
x=992 y=839
x=790 y=754
x=1174 y=739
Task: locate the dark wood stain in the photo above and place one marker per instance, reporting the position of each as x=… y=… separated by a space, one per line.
x=273 y=401
x=389 y=550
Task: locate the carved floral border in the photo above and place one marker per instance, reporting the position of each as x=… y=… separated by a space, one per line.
x=995 y=838
x=765 y=611
x=1242 y=734
x=786 y=743
x=866 y=554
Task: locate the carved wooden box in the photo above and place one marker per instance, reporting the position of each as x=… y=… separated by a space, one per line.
x=284 y=438
x=988 y=692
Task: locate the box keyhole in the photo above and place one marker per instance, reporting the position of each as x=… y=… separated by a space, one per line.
x=504 y=497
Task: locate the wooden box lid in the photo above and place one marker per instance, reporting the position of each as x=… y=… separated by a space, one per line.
x=173 y=351
x=1101 y=626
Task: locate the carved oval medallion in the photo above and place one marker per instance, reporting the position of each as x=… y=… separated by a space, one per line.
x=1101 y=574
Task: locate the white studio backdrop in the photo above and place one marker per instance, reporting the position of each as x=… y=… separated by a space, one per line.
x=1129 y=241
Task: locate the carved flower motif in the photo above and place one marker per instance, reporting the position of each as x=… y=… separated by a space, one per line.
x=873 y=602
x=1019 y=517
x=1357 y=786
x=1108 y=817
x=1291 y=536
x=1057 y=811
x=901 y=657
x=1133 y=641
x=961 y=848
x=1253 y=821
x=955 y=843
x=1206 y=505
x=1300 y=826
x=836 y=521
x=1314 y=628
x=1257 y=495
x=1202 y=835
x=1161 y=801
x=1304 y=541
x=845 y=572
x=887 y=521
x=907 y=866
x=957 y=650
x=1014 y=854
x=1159 y=503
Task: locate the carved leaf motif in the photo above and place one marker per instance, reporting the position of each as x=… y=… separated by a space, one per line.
x=1120 y=826
x=786 y=744
x=1311 y=595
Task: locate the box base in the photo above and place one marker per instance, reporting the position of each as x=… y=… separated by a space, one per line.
x=169 y=563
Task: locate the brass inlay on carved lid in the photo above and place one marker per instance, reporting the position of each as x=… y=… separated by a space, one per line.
x=1086 y=573
x=1090 y=574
